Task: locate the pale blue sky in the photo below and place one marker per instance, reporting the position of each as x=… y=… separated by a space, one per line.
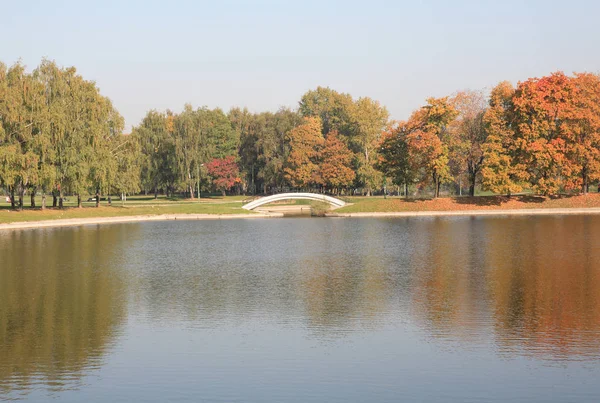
x=265 y=54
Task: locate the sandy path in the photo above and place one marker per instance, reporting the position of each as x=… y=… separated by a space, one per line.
x=126 y=219
x=172 y=217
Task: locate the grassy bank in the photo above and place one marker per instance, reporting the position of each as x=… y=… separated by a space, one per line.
x=397 y=204
x=132 y=207
x=147 y=205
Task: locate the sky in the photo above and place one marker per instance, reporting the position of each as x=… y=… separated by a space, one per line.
x=264 y=54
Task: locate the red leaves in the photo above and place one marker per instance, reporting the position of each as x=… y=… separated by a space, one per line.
x=225 y=172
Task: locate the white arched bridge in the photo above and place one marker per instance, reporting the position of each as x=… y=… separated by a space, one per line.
x=336 y=203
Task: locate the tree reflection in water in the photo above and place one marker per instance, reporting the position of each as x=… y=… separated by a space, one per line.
x=61 y=305
x=525 y=286
x=532 y=283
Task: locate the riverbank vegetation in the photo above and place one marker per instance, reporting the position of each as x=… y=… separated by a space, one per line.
x=135 y=206
x=61 y=138
x=398 y=204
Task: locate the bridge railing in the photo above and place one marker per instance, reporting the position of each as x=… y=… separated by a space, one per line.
x=336 y=203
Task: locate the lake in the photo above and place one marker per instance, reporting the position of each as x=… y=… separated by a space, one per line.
x=303 y=310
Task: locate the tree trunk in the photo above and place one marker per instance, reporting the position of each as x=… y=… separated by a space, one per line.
x=60 y=200
x=191 y=191
x=585 y=186
x=33 y=198
x=405 y=190
x=43 y=200
x=12 y=197
x=78 y=200
x=54 y=198
x=21 y=196
x=97 y=197
x=436 y=186
x=109 y=200
x=155 y=192
x=253 y=189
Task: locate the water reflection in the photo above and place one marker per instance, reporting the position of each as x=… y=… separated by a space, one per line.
x=531 y=283
x=60 y=306
x=498 y=287
x=528 y=285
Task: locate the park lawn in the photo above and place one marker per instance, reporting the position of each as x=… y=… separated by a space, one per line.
x=398 y=204
x=116 y=210
x=71 y=201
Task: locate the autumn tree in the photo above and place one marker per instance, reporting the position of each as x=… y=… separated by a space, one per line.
x=224 y=172
x=301 y=168
x=335 y=170
x=583 y=131
x=542 y=107
x=467 y=134
x=501 y=170
x=427 y=139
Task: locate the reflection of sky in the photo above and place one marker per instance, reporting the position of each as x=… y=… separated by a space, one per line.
x=337 y=309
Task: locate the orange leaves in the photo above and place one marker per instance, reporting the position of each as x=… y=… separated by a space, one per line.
x=306 y=142
x=335 y=169
x=555 y=116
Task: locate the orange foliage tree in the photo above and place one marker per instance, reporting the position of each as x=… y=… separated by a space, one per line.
x=225 y=173
x=584 y=131
x=542 y=108
x=500 y=171
x=336 y=163
x=306 y=141
x=427 y=141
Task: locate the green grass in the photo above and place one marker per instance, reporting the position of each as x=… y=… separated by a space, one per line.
x=147 y=205
x=129 y=208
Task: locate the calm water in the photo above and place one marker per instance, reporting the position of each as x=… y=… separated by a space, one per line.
x=323 y=310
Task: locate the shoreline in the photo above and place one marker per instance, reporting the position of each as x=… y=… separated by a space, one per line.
x=191 y=217
x=69 y=222
x=449 y=213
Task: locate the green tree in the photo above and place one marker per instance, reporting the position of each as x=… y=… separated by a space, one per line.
x=394 y=157
x=500 y=171
x=467 y=134
x=369 y=120
x=333 y=108
x=159 y=168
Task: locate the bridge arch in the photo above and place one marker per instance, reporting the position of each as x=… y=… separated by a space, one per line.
x=336 y=203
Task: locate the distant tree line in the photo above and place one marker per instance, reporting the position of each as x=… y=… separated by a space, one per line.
x=59 y=136
x=543 y=135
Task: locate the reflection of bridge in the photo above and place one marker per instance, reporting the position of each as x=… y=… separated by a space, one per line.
x=336 y=203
